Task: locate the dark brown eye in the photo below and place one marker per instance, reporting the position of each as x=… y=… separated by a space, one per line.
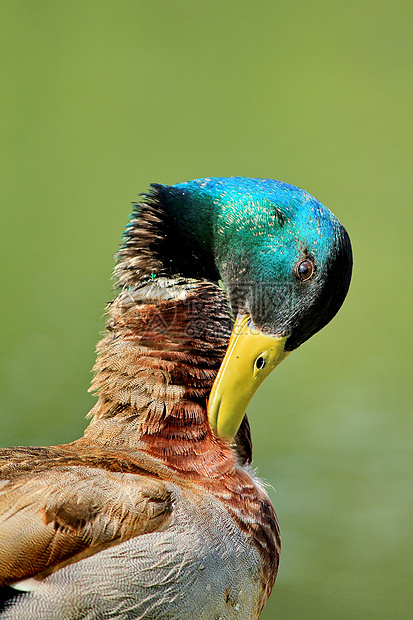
x=305 y=270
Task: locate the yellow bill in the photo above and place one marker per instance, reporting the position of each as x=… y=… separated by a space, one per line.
x=250 y=357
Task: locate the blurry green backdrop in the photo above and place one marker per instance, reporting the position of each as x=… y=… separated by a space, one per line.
x=101 y=97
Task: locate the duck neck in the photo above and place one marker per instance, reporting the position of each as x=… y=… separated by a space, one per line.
x=168 y=333
x=156 y=367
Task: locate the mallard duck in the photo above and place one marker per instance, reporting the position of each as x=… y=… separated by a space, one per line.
x=155 y=512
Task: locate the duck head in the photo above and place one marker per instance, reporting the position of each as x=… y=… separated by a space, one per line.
x=285 y=261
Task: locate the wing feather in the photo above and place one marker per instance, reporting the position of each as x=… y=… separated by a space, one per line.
x=53 y=517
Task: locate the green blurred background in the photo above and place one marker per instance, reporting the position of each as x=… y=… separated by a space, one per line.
x=100 y=98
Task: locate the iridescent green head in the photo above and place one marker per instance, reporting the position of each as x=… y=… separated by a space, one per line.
x=284 y=258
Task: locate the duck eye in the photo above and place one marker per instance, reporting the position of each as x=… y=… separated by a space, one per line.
x=305 y=270
x=260 y=363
